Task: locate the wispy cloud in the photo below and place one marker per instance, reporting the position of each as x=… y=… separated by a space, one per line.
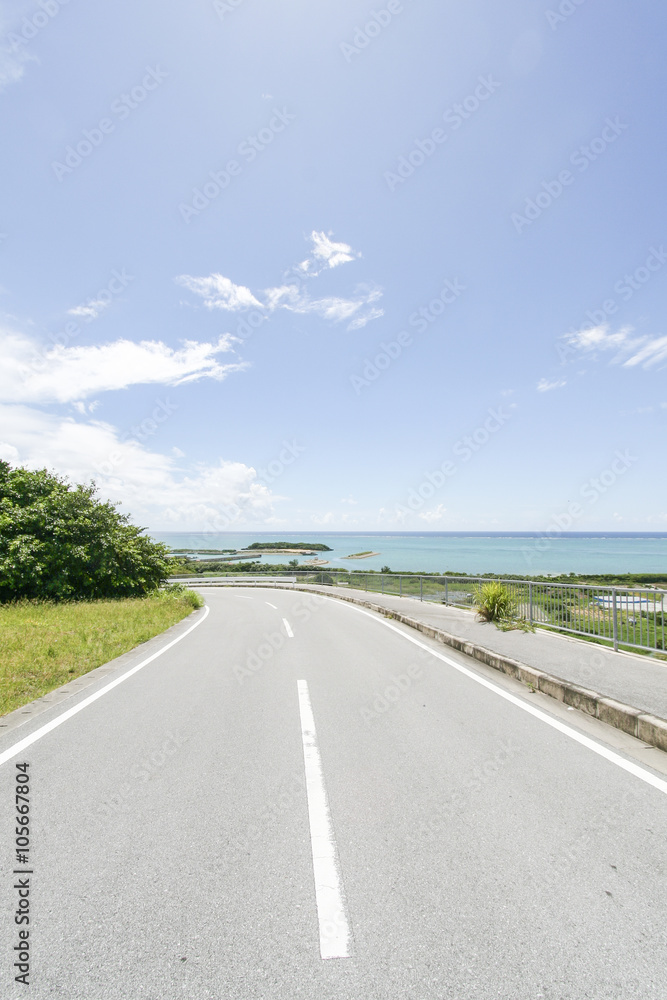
x=652 y=353
x=219 y=292
x=358 y=309
x=12 y=67
x=20 y=22
x=628 y=350
x=71 y=374
x=545 y=385
x=334 y=308
x=85 y=408
x=325 y=253
x=91 y=310
x=365 y=317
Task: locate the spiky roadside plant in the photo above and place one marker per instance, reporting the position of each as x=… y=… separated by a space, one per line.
x=494 y=603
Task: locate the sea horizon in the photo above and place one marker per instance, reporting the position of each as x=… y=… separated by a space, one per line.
x=531 y=553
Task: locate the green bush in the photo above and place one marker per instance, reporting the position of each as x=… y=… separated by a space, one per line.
x=60 y=542
x=494 y=603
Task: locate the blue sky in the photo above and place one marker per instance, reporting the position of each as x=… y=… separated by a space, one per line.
x=356 y=266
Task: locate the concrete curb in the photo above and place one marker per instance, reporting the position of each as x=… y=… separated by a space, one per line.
x=648 y=728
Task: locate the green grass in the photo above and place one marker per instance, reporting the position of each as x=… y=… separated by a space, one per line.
x=45 y=645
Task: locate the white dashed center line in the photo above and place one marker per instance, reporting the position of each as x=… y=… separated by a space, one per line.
x=335 y=937
x=271 y=605
x=290 y=634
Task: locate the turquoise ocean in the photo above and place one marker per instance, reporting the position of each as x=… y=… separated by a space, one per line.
x=503 y=553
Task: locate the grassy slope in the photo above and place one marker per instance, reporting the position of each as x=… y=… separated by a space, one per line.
x=45 y=645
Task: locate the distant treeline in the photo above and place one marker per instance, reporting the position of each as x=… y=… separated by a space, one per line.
x=195 y=567
x=310 y=546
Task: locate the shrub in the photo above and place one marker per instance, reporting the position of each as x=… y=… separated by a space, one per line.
x=494 y=603
x=60 y=542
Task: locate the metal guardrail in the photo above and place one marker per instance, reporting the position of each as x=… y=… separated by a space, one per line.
x=621 y=616
x=233 y=581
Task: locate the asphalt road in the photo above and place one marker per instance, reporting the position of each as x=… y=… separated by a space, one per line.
x=481 y=850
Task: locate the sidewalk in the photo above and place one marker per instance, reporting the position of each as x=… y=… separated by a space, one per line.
x=596 y=678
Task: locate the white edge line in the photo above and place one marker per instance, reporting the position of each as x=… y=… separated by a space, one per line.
x=590 y=744
x=288 y=629
x=331 y=915
x=50 y=726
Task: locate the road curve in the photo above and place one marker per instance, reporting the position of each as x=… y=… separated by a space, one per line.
x=178 y=826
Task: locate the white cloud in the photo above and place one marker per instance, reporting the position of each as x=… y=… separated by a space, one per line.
x=653 y=352
x=8 y=453
x=432 y=516
x=544 y=385
x=628 y=351
x=70 y=374
x=13 y=57
x=333 y=308
x=599 y=338
x=363 y=318
x=12 y=68
x=91 y=310
x=219 y=292
x=14 y=38
x=327 y=253
x=153 y=488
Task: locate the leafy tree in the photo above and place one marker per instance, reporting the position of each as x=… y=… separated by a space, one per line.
x=60 y=542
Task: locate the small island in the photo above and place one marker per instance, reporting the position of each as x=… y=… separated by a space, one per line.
x=362 y=555
x=288 y=548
